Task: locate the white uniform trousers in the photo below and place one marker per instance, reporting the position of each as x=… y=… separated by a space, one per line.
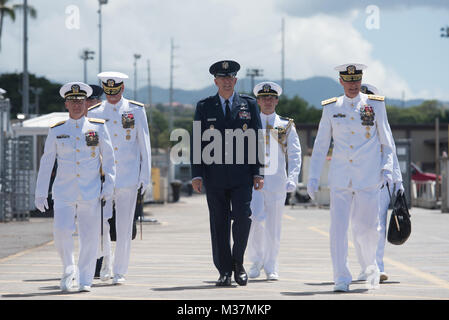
x=125 y=206
x=87 y=214
x=362 y=208
x=383 y=213
x=265 y=234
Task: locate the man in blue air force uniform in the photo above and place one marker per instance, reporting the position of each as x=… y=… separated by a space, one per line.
x=80 y=145
x=228 y=179
x=362 y=160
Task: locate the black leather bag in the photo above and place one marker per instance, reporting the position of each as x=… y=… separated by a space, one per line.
x=400 y=226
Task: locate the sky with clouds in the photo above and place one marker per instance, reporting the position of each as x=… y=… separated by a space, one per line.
x=398 y=40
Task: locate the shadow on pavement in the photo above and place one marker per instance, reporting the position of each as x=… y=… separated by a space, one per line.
x=322 y=292
x=211 y=286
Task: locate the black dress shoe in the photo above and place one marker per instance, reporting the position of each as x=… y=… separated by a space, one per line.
x=240 y=275
x=224 y=281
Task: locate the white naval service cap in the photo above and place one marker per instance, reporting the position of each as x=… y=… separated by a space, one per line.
x=112 y=81
x=75 y=91
x=369 y=89
x=351 y=71
x=267 y=88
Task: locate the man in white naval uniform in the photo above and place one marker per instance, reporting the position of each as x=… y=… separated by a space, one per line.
x=127 y=123
x=267 y=205
x=80 y=145
x=362 y=160
x=385 y=193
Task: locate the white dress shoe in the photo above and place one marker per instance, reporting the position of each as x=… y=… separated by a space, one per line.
x=341 y=287
x=254 y=271
x=84 y=288
x=67 y=281
x=362 y=276
x=383 y=276
x=118 y=279
x=272 y=276
x=106 y=269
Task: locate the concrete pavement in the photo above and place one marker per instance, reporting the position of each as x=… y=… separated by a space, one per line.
x=173 y=260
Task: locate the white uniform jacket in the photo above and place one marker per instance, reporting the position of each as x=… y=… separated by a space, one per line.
x=127 y=124
x=77 y=146
x=285 y=144
x=359 y=127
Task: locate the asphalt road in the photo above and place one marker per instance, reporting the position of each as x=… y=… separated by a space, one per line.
x=173 y=261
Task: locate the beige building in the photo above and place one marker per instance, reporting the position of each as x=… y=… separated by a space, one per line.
x=422 y=137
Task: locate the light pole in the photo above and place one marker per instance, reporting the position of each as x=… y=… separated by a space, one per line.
x=252 y=73
x=136 y=57
x=85 y=55
x=25 y=77
x=100 y=3
x=444 y=32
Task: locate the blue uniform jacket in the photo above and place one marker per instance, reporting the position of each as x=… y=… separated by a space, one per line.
x=234 y=169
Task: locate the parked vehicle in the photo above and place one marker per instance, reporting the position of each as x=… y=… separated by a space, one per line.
x=419 y=175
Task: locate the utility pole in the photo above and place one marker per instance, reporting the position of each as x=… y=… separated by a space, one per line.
x=252 y=73
x=150 y=98
x=37 y=92
x=100 y=3
x=25 y=77
x=85 y=55
x=283 y=56
x=170 y=98
x=437 y=157
x=136 y=57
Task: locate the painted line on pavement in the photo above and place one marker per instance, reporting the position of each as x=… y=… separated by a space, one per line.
x=21 y=253
x=423 y=275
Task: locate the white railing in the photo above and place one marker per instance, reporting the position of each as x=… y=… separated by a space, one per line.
x=423 y=194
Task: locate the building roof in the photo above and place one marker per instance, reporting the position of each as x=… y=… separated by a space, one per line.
x=39 y=125
x=46 y=120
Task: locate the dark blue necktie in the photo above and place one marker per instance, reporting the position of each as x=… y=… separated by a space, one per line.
x=228 y=111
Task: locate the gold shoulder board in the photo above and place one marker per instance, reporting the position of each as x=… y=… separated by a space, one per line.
x=328 y=101
x=57 y=124
x=374 y=97
x=95 y=120
x=94 y=106
x=140 y=104
x=285 y=118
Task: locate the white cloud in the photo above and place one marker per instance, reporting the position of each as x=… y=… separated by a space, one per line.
x=317 y=44
x=204 y=31
x=301 y=8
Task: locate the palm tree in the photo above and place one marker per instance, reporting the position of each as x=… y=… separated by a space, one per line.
x=10 y=11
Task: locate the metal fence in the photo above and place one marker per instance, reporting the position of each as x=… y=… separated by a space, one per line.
x=16 y=178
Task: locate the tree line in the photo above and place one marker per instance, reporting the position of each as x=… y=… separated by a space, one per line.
x=297 y=108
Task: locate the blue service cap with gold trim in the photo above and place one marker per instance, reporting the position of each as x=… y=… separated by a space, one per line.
x=112 y=81
x=75 y=91
x=97 y=91
x=225 y=68
x=369 y=89
x=267 y=88
x=350 y=72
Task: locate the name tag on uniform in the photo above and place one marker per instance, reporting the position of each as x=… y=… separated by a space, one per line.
x=244 y=115
x=339 y=115
x=212 y=119
x=63 y=136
